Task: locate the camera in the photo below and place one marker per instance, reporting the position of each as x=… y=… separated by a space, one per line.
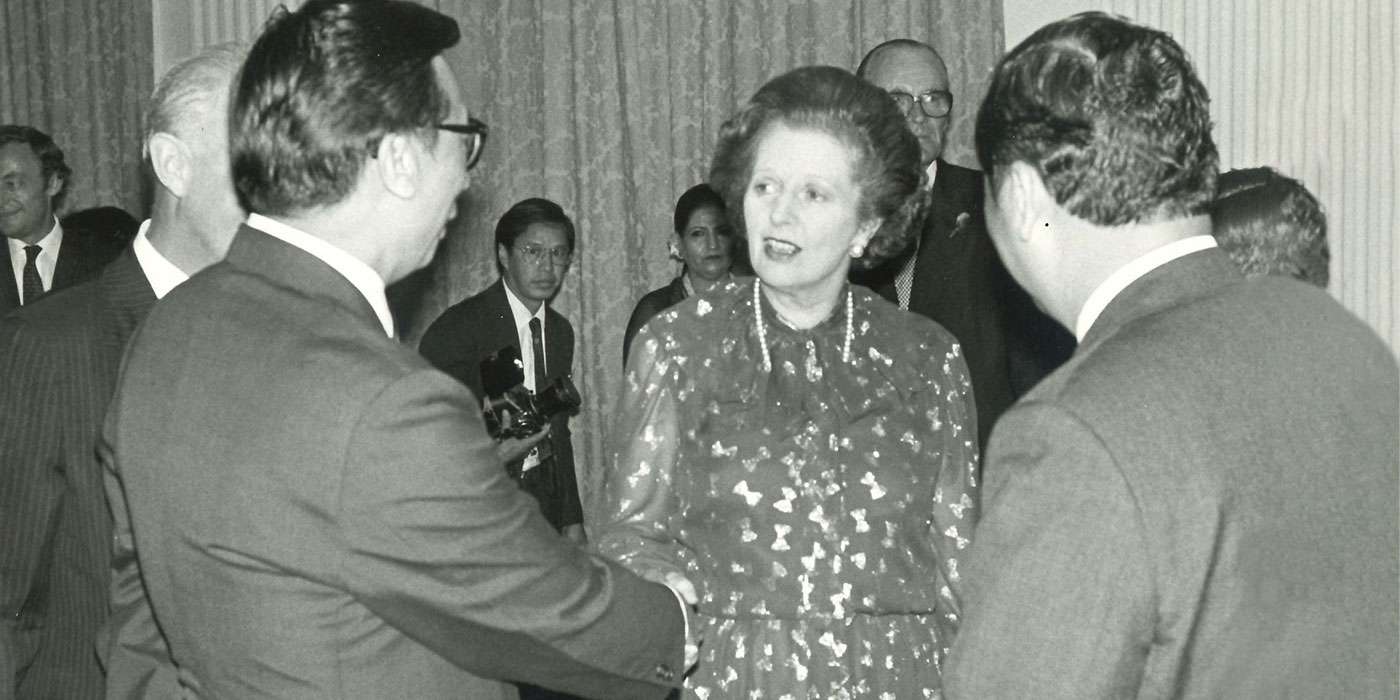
x=517 y=413
x=510 y=410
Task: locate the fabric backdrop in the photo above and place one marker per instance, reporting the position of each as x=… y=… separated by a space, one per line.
x=80 y=70
x=611 y=108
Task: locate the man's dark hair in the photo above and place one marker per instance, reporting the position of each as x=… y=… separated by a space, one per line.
x=1270 y=224
x=49 y=154
x=319 y=90
x=522 y=214
x=1110 y=114
x=852 y=111
x=697 y=197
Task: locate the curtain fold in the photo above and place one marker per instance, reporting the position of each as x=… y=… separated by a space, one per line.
x=611 y=108
x=80 y=70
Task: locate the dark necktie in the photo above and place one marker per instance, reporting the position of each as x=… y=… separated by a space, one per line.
x=537 y=350
x=543 y=451
x=33 y=283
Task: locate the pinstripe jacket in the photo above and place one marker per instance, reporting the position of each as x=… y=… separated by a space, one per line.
x=58 y=368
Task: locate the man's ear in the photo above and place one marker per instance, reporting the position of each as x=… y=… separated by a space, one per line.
x=398 y=163
x=502 y=256
x=54 y=185
x=172 y=162
x=1022 y=196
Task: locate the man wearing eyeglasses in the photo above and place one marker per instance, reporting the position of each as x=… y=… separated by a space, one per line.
x=534 y=246
x=317 y=511
x=951 y=273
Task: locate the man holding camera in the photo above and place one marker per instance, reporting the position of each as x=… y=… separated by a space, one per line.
x=534 y=246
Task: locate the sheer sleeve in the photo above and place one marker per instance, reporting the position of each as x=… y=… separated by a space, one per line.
x=637 y=506
x=957 y=493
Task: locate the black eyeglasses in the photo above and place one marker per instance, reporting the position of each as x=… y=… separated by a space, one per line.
x=934 y=103
x=476 y=130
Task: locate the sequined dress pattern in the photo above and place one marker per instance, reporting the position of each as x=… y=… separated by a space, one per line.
x=820 y=508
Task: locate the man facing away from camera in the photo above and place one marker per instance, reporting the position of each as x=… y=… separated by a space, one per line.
x=317 y=512
x=1201 y=503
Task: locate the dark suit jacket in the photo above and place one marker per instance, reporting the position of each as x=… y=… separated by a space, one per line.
x=469 y=332
x=1202 y=503
x=319 y=513
x=81 y=257
x=653 y=303
x=58 y=368
x=960 y=283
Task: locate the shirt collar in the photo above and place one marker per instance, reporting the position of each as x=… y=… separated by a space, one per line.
x=517 y=309
x=1132 y=272
x=160 y=272
x=51 y=242
x=932 y=172
x=359 y=274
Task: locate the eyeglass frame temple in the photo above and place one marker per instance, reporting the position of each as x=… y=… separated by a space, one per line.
x=473 y=127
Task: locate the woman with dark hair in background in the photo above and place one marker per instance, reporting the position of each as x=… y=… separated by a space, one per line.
x=1270 y=224
x=799 y=448
x=703 y=243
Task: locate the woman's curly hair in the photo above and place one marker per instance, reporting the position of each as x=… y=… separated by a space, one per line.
x=859 y=115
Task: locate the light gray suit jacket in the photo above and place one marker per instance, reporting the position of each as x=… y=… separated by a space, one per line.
x=1201 y=504
x=318 y=513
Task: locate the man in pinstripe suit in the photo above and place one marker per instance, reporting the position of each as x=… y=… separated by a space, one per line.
x=59 y=360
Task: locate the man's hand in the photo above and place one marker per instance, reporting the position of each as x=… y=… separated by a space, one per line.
x=512 y=449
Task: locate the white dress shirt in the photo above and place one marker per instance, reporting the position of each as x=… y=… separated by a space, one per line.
x=1130 y=273
x=522 y=317
x=46 y=261
x=159 y=271
x=359 y=274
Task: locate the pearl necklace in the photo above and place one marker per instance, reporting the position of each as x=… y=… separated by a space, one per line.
x=763 y=329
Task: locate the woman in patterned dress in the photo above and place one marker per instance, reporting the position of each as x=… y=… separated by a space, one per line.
x=800 y=449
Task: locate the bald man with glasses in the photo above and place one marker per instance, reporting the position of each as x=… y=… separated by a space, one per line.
x=951 y=273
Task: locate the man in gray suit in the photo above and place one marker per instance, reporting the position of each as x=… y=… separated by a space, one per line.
x=1201 y=503
x=317 y=511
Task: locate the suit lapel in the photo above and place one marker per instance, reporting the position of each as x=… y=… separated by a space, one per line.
x=500 y=318
x=9 y=291
x=941 y=242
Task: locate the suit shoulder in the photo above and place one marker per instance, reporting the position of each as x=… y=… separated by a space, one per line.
x=457 y=318
x=57 y=317
x=92 y=246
